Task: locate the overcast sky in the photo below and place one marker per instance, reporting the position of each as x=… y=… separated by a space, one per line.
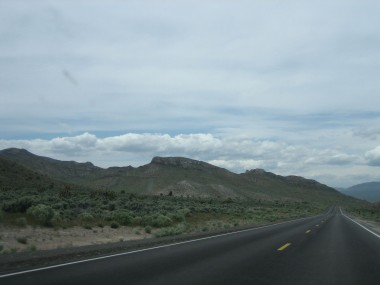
x=289 y=86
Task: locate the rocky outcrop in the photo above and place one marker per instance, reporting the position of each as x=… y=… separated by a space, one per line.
x=181 y=162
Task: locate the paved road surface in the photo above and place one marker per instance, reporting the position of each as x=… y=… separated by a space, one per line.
x=327 y=249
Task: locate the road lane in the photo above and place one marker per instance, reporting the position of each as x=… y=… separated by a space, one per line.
x=338 y=251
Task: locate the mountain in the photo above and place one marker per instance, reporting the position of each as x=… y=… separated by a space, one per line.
x=68 y=171
x=14 y=176
x=295 y=187
x=179 y=176
x=369 y=191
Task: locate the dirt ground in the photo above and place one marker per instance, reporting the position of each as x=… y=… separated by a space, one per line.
x=15 y=239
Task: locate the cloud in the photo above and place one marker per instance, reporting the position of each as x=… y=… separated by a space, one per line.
x=333 y=157
x=373 y=156
x=235 y=153
x=72 y=145
x=371 y=133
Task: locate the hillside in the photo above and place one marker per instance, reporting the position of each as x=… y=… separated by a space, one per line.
x=296 y=187
x=369 y=191
x=14 y=177
x=68 y=171
x=184 y=177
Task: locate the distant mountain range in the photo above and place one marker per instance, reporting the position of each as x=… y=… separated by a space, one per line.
x=175 y=176
x=369 y=191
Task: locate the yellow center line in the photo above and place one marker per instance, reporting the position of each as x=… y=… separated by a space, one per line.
x=284 y=246
x=308 y=231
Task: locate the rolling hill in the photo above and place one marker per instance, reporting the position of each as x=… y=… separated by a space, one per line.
x=369 y=191
x=14 y=176
x=180 y=176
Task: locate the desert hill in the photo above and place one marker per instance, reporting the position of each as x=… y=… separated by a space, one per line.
x=369 y=191
x=179 y=176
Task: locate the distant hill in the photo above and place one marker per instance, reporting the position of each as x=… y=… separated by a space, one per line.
x=295 y=187
x=180 y=176
x=68 y=171
x=369 y=191
x=14 y=176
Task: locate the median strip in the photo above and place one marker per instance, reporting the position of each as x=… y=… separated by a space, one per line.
x=284 y=246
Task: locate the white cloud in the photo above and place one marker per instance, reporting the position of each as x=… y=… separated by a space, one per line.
x=373 y=156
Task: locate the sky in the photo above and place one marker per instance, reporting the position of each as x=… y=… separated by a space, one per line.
x=288 y=86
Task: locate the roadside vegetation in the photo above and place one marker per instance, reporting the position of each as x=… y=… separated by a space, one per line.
x=156 y=215
x=369 y=212
x=103 y=207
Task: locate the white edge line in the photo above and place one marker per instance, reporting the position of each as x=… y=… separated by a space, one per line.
x=145 y=249
x=368 y=230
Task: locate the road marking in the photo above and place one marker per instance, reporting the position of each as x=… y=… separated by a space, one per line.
x=317 y=225
x=368 y=230
x=146 y=249
x=284 y=246
x=308 y=231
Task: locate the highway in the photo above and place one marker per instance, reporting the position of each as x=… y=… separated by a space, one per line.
x=325 y=249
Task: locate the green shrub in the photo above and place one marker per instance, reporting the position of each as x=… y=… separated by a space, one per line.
x=148 y=229
x=147 y=220
x=57 y=219
x=86 y=217
x=42 y=213
x=138 y=221
x=65 y=192
x=21 y=222
x=171 y=231
x=161 y=221
x=18 y=206
x=115 y=225
x=1 y=216
x=122 y=218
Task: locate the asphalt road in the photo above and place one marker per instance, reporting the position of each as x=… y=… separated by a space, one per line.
x=326 y=249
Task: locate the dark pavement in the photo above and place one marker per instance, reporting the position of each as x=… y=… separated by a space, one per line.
x=326 y=249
